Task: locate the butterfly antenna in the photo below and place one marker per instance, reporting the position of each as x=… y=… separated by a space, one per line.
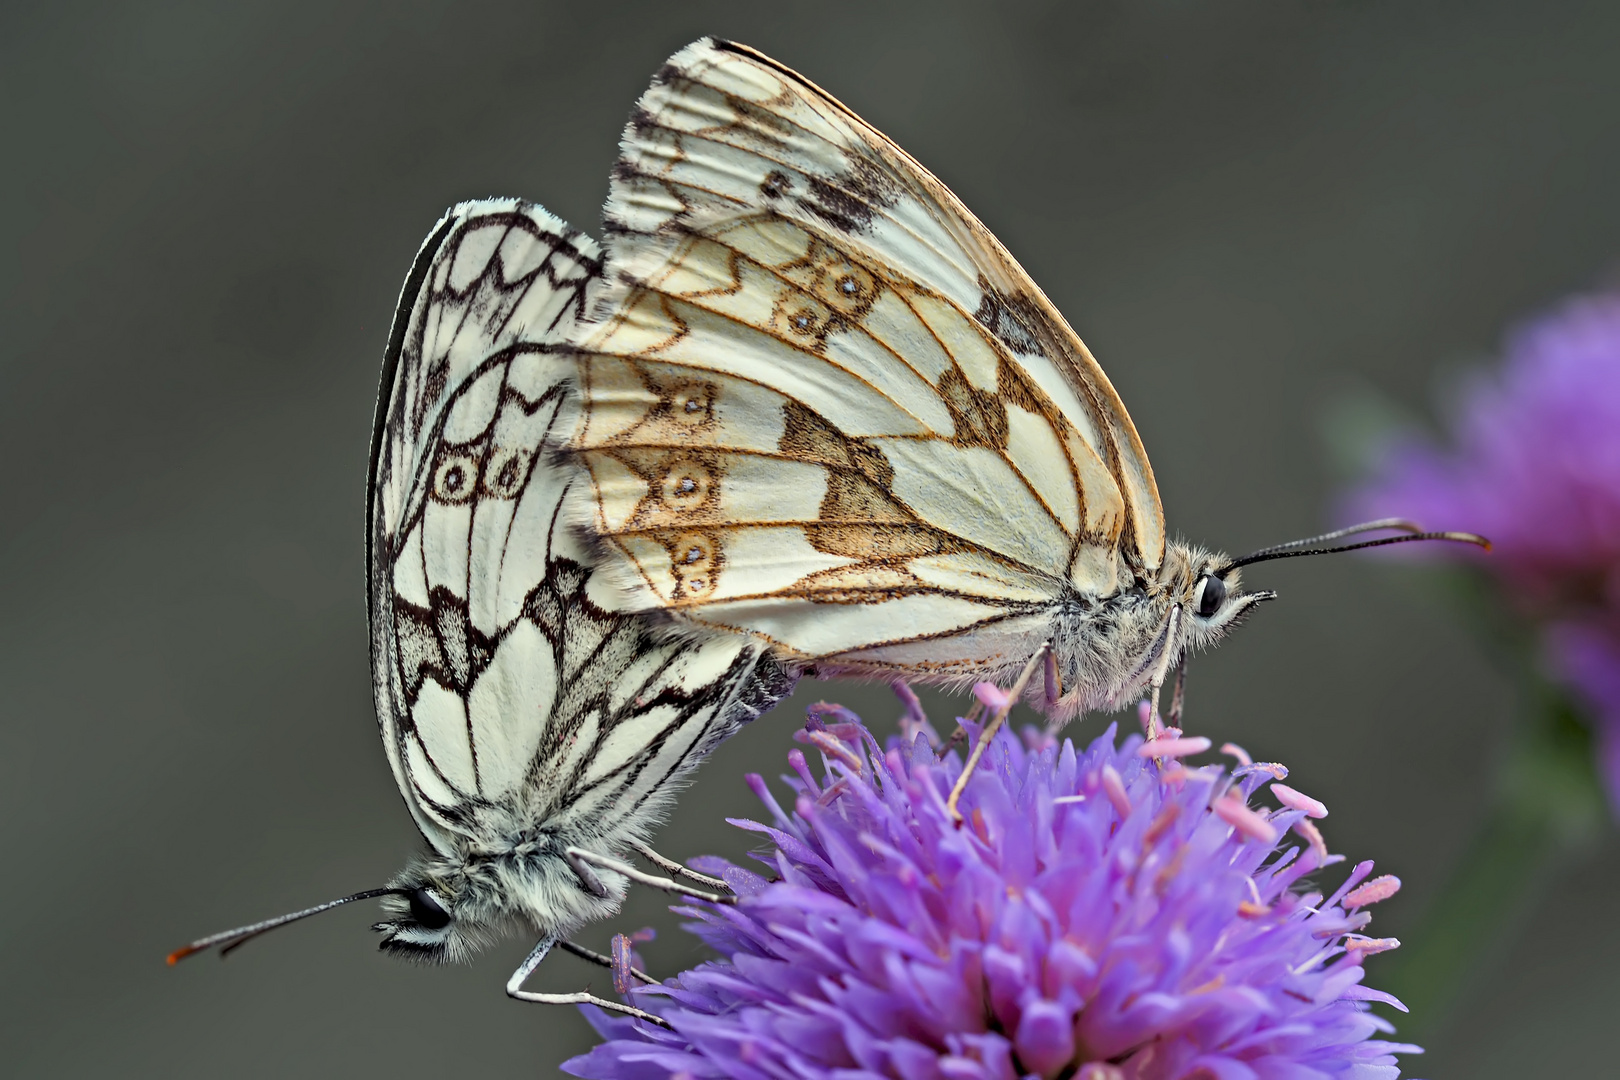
x=1296 y=548
x=231 y=939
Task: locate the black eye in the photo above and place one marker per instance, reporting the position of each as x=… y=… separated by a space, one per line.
x=1211 y=596
x=426 y=910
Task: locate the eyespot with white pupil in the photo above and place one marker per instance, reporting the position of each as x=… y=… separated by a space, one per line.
x=453 y=481
x=427 y=911
x=1211 y=595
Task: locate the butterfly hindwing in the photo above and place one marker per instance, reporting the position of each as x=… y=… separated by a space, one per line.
x=511 y=689
x=823 y=405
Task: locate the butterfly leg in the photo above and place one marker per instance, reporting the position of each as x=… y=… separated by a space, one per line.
x=676 y=868
x=1178 y=698
x=582 y=862
x=1161 y=665
x=599 y=958
x=990 y=728
x=514 y=988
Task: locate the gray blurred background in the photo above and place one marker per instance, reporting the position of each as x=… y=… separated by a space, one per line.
x=1251 y=211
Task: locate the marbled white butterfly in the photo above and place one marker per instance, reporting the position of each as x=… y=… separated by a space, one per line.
x=826 y=408
x=534 y=729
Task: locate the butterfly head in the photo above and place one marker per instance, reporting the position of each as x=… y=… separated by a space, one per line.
x=1107 y=651
x=1209 y=591
x=446 y=908
x=433 y=915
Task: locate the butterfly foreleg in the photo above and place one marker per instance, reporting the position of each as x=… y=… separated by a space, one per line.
x=990 y=728
x=677 y=868
x=514 y=986
x=1178 y=697
x=583 y=861
x=1161 y=666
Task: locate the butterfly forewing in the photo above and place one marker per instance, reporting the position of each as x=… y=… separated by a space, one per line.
x=513 y=691
x=823 y=405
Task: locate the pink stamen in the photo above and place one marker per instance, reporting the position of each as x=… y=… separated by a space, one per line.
x=828 y=744
x=1115 y=789
x=1313 y=836
x=1295 y=800
x=1144 y=714
x=1246 y=821
x=1234 y=750
x=991 y=697
x=1173 y=748
x=1379 y=888
x=832 y=791
x=1368 y=946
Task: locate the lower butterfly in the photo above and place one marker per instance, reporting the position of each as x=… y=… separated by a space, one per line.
x=537 y=732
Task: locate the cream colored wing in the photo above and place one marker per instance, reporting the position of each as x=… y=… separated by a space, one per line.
x=824 y=405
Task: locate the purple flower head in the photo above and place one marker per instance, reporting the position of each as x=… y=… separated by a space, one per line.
x=1536 y=467
x=1103 y=913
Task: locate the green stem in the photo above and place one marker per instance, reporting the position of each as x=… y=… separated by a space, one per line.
x=1550 y=805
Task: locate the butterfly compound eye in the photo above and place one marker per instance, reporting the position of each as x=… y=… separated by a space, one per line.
x=427 y=911
x=1211 y=595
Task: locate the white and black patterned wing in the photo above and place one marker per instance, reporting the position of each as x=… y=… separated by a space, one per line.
x=502 y=687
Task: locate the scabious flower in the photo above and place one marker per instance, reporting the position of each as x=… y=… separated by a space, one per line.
x=1102 y=912
x=1535 y=466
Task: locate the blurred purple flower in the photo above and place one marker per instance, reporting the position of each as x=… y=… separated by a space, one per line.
x=1536 y=467
x=1104 y=914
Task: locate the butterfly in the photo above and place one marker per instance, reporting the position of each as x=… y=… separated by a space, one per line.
x=824 y=407
x=536 y=730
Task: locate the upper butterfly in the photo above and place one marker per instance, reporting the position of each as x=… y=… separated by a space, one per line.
x=824 y=406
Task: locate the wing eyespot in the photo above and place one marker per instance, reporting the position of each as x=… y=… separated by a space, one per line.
x=800 y=318
x=690 y=404
x=686 y=486
x=840 y=284
x=456 y=478
x=507 y=472
x=695 y=563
